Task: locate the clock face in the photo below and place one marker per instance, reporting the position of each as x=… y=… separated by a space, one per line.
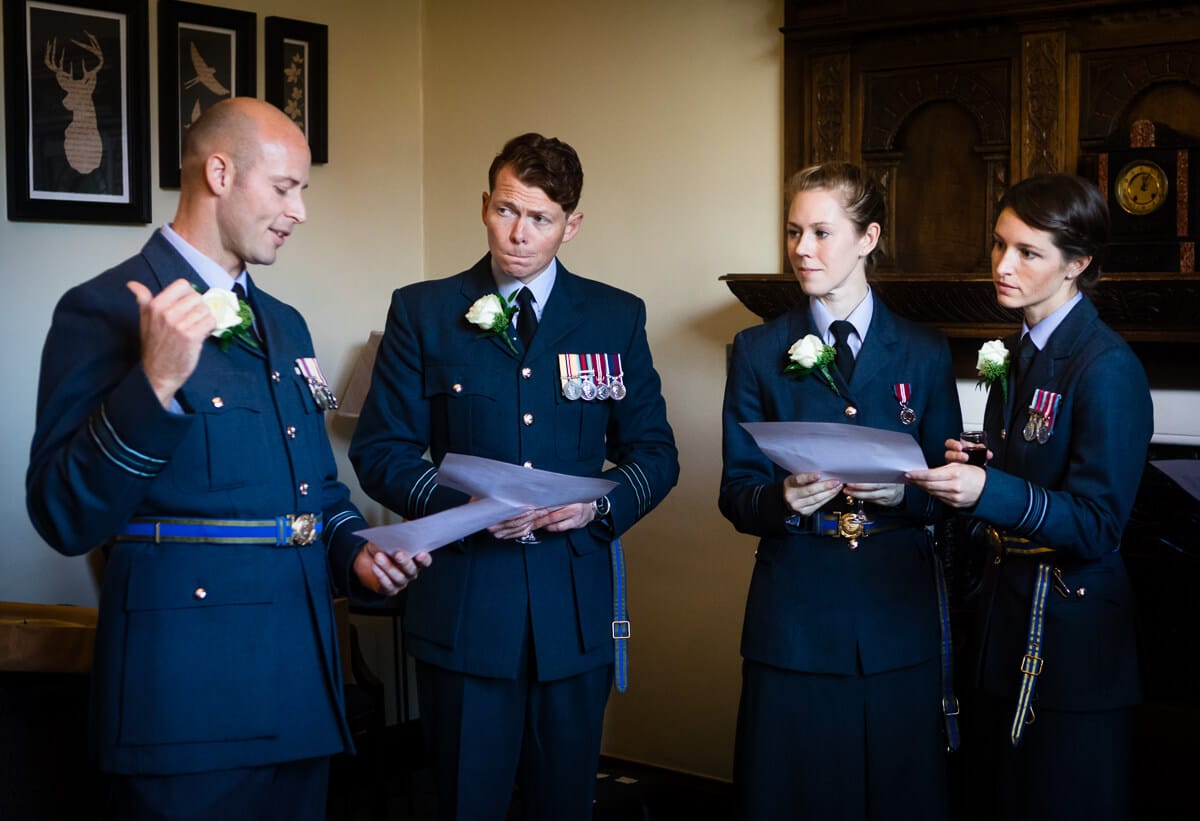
x=1141 y=188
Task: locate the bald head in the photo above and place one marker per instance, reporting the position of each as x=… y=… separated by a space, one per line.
x=237 y=127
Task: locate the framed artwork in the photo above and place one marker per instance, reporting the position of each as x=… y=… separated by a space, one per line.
x=296 y=60
x=205 y=54
x=76 y=100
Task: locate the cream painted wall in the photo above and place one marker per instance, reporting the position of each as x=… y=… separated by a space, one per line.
x=675 y=109
x=364 y=237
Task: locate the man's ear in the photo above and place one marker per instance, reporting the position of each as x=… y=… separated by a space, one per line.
x=483 y=212
x=573 y=222
x=218 y=173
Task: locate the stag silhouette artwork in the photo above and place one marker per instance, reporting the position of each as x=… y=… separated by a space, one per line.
x=81 y=140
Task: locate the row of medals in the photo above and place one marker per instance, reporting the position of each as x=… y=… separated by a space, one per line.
x=586 y=388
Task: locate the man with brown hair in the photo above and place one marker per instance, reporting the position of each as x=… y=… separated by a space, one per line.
x=513 y=628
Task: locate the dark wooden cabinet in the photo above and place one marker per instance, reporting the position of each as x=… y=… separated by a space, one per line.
x=949 y=101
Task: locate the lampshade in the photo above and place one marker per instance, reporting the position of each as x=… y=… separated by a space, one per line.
x=352 y=400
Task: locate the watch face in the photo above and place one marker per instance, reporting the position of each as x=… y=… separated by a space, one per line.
x=1141 y=188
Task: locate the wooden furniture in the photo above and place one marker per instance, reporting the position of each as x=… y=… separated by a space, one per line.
x=947 y=102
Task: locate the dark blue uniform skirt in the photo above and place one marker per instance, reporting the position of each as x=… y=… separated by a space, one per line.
x=827 y=747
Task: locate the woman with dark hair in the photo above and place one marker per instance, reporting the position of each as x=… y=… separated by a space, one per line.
x=1069 y=429
x=841 y=708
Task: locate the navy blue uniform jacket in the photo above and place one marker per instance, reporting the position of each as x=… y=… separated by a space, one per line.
x=1072 y=493
x=439 y=384
x=815 y=605
x=246 y=672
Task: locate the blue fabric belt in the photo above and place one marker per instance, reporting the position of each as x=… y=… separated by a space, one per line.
x=949 y=702
x=291 y=530
x=620 y=623
x=1031 y=662
x=830 y=524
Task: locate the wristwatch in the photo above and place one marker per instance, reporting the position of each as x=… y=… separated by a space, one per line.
x=601 y=507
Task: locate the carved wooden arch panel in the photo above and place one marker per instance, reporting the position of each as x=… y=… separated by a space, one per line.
x=1113 y=80
x=890 y=97
x=894 y=102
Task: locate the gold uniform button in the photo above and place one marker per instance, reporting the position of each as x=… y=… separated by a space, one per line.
x=1081 y=592
x=527 y=464
x=199 y=594
x=527 y=419
x=218 y=402
x=291 y=431
x=526 y=373
x=275 y=376
x=457 y=388
x=851 y=412
x=303 y=488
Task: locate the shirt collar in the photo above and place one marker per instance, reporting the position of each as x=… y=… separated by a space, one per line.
x=1041 y=332
x=541 y=286
x=860 y=318
x=207 y=269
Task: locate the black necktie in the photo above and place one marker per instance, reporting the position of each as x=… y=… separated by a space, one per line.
x=239 y=291
x=844 y=357
x=1025 y=356
x=526 y=319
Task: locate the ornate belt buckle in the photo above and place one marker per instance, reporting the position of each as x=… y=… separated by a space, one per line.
x=304 y=529
x=851 y=526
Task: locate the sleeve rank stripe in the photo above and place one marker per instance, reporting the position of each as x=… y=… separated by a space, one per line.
x=638 y=484
x=337 y=521
x=758 y=489
x=1037 y=505
x=120 y=454
x=418 y=497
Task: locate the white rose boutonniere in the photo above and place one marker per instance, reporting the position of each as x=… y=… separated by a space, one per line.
x=811 y=354
x=992 y=366
x=233 y=316
x=493 y=314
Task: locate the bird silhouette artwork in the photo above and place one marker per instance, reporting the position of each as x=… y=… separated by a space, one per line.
x=206 y=75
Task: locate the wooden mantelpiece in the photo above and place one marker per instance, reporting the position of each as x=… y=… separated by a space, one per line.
x=966 y=307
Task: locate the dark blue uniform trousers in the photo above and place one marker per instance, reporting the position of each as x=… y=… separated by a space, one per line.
x=485 y=734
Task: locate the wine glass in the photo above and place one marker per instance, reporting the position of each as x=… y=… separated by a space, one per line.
x=975 y=445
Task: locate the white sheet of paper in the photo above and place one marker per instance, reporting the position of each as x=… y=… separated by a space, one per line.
x=1184 y=472
x=516 y=485
x=439 y=529
x=851 y=453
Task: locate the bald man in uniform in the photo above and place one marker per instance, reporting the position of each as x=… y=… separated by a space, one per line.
x=202 y=463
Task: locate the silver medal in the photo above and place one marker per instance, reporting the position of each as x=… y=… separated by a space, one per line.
x=907 y=415
x=603 y=391
x=571 y=388
x=588 y=389
x=618 y=389
x=1043 y=431
x=1031 y=426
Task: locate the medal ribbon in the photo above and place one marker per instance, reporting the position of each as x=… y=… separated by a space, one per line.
x=601 y=366
x=311 y=370
x=903 y=393
x=1046 y=404
x=619 y=372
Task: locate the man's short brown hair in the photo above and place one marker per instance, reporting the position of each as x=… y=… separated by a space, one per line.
x=543 y=162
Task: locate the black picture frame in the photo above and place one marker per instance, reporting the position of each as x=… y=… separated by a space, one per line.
x=296 y=77
x=90 y=162
x=205 y=54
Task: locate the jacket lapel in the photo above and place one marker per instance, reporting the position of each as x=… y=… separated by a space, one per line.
x=563 y=312
x=876 y=350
